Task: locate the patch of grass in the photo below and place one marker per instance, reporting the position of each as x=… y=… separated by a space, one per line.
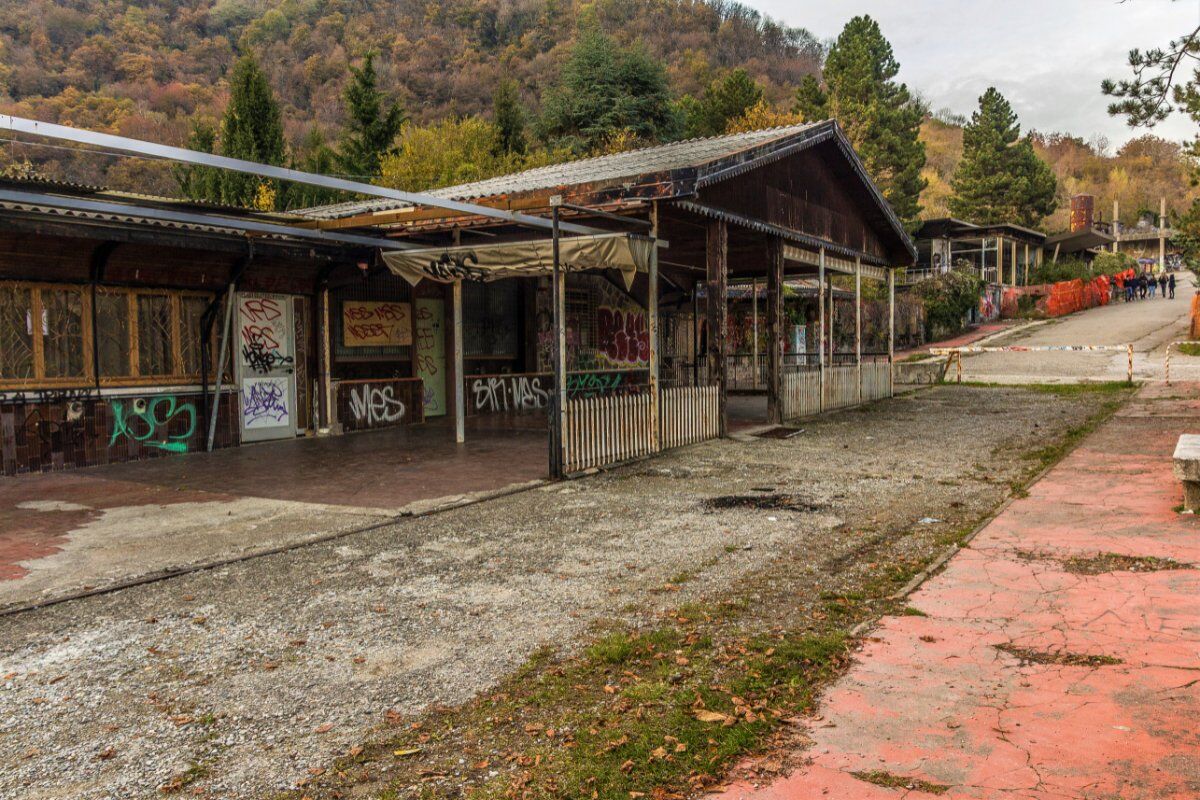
x=1057 y=389
x=1028 y=655
x=179 y=782
x=892 y=781
x=615 y=648
x=909 y=611
x=683 y=576
x=1189 y=349
x=1115 y=562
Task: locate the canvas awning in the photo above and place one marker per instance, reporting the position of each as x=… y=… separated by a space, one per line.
x=627 y=253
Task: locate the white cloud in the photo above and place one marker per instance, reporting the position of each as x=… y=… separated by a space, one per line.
x=1047 y=56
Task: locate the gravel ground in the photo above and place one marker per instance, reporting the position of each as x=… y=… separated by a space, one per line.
x=242 y=681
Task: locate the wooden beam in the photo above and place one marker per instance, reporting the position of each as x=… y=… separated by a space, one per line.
x=774 y=330
x=717 y=261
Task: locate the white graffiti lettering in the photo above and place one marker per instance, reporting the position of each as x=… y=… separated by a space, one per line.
x=509 y=393
x=375 y=406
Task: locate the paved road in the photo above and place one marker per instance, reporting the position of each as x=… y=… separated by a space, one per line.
x=1054 y=658
x=1149 y=324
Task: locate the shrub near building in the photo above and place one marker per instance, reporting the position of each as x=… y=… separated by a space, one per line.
x=948 y=298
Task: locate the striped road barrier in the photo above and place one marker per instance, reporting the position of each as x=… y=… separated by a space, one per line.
x=955 y=354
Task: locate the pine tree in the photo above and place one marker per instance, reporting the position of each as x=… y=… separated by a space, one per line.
x=196 y=182
x=319 y=158
x=724 y=99
x=509 y=117
x=881 y=117
x=605 y=90
x=1000 y=178
x=252 y=129
x=370 y=129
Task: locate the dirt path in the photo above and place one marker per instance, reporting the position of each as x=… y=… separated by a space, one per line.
x=248 y=679
x=1054 y=657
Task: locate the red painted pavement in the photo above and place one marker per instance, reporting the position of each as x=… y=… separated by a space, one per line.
x=933 y=699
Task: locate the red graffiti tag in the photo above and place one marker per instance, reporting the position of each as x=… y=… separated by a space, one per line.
x=622 y=336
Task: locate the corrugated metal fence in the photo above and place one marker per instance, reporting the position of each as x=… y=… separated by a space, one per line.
x=609 y=430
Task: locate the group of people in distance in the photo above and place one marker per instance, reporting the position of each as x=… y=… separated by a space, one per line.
x=1140 y=285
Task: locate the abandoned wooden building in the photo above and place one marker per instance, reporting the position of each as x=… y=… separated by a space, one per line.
x=378 y=313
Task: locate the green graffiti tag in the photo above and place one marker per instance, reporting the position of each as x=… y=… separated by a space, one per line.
x=146 y=422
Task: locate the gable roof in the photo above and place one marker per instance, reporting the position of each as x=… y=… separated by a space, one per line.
x=666 y=171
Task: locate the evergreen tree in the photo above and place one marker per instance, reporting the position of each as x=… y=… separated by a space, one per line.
x=1000 y=177
x=196 y=182
x=724 y=99
x=252 y=129
x=318 y=158
x=370 y=129
x=881 y=117
x=604 y=91
x=509 y=117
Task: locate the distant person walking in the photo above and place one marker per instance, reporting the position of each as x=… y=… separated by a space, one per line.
x=1142 y=286
x=1151 y=285
x=1162 y=285
x=1171 y=285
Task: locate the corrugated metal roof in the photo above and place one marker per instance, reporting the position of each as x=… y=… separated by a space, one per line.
x=689 y=154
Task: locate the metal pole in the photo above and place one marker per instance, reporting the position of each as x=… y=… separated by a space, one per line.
x=1162 y=233
x=655 y=356
x=460 y=404
x=558 y=426
x=220 y=377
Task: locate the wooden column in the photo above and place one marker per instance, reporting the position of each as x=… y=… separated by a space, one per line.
x=821 y=323
x=754 y=348
x=1000 y=261
x=1116 y=226
x=892 y=332
x=1027 y=265
x=558 y=416
x=326 y=379
x=652 y=327
x=775 y=330
x=717 y=262
x=1014 y=262
x=858 y=323
x=1162 y=233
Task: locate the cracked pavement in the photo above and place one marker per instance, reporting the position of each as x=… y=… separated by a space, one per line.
x=933 y=702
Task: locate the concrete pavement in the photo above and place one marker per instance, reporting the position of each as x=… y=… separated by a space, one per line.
x=1057 y=656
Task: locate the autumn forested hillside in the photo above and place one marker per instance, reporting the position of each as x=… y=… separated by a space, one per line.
x=148 y=69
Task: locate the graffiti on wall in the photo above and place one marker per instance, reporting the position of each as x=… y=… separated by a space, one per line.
x=501 y=393
x=49 y=395
x=372 y=406
x=263 y=334
x=148 y=421
x=621 y=336
x=265 y=403
x=375 y=324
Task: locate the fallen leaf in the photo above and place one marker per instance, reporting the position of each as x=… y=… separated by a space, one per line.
x=412 y=751
x=704 y=715
x=323 y=728
x=355 y=751
x=106 y=754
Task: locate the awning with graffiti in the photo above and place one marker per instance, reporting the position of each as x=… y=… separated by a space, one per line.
x=627 y=253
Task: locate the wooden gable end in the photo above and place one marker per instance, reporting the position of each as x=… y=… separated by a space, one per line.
x=815 y=192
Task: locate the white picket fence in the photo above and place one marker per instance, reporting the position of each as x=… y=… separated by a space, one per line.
x=690 y=414
x=609 y=430
x=804 y=395
x=801 y=393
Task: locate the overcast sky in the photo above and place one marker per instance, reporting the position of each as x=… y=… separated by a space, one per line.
x=1046 y=56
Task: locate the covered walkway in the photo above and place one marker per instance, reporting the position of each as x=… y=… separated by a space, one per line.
x=62 y=533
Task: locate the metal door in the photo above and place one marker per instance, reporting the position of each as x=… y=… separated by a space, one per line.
x=266 y=359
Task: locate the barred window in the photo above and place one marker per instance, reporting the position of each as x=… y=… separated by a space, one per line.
x=154 y=340
x=191 y=309
x=16 y=333
x=112 y=333
x=62 y=332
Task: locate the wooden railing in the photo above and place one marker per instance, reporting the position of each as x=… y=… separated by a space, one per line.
x=690 y=415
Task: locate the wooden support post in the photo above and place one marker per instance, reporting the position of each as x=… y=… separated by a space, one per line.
x=775 y=330
x=460 y=405
x=326 y=363
x=821 y=323
x=858 y=324
x=891 y=332
x=717 y=258
x=223 y=352
x=1116 y=226
x=1026 y=264
x=1162 y=233
x=1013 y=260
x=754 y=348
x=1000 y=260
x=652 y=327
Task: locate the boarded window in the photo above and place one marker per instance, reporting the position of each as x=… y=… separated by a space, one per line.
x=62 y=332
x=154 y=335
x=112 y=334
x=16 y=333
x=191 y=309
